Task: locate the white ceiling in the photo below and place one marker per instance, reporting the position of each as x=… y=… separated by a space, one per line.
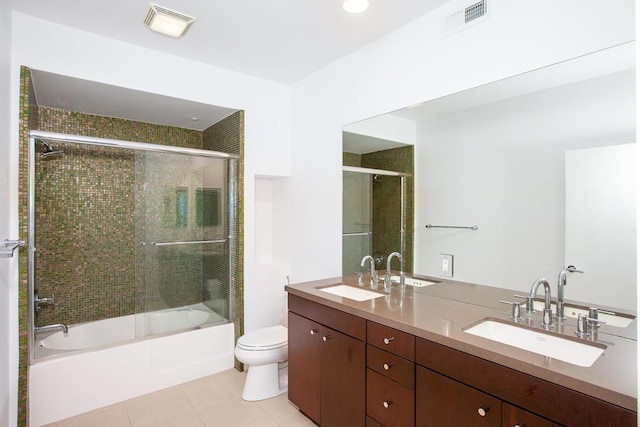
x=278 y=40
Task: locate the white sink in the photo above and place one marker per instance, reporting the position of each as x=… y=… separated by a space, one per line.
x=621 y=321
x=553 y=346
x=412 y=281
x=356 y=294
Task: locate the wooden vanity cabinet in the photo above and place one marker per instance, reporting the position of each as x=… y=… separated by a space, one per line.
x=547 y=402
x=327 y=363
x=390 y=376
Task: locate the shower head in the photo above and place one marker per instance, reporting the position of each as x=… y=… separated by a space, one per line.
x=49 y=151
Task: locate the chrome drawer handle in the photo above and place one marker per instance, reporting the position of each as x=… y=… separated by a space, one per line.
x=313 y=331
x=482 y=411
x=387 y=366
x=326 y=338
x=387 y=341
x=387 y=403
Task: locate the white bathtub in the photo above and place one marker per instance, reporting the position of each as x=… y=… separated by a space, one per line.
x=101 y=363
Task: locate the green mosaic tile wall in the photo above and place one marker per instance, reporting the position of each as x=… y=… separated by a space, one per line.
x=386 y=216
x=85 y=231
x=351 y=159
x=228 y=136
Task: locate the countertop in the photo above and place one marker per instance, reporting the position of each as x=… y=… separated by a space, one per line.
x=440 y=312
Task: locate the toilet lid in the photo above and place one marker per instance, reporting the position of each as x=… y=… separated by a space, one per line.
x=264 y=339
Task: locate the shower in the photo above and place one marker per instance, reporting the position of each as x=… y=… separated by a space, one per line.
x=140 y=230
x=373 y=217
x=49 y=151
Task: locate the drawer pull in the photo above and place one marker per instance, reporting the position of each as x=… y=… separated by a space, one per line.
x=520 y=425
x=387 y=403
x=326 y=338
x=387 y=341
x=482 y=411
x=313 y=331
x=387 y=366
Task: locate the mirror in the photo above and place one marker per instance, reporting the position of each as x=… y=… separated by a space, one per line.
x=543 y=164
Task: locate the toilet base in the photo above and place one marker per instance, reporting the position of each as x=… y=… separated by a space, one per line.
x=264 y=382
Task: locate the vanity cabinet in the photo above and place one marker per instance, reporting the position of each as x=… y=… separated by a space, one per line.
x=461 y=380
x=327 y=363
x=390 y=376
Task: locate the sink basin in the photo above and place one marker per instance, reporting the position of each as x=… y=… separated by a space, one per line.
x=556 y=347
x=356 y=294
x=570 y=311
x=412 y=281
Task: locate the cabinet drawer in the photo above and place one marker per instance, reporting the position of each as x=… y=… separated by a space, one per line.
x=339 y=320
x=388 y=402
x=514 y=417
x=441 y=401
x=392 y=340
x=392 y=366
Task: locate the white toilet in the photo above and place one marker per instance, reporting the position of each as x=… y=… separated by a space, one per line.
x=264 y=352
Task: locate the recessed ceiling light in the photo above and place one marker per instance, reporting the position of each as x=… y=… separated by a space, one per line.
x=355 y=6
x=167 y=21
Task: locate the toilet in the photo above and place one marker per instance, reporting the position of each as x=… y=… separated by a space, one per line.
x=264 y=352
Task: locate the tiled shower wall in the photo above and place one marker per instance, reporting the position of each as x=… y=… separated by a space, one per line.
x=386 y=207
x=89 y=250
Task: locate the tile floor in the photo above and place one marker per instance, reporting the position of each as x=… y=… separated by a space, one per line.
x=210 y=401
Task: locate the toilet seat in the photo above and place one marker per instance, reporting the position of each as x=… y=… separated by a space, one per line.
x=270 y=338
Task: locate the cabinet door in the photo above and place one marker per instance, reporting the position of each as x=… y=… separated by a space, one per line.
x=517 y=417
x=343 y=380
x=441 y=401
x=304 y=365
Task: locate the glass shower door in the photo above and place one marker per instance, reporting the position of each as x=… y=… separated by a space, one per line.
x=182 y=222
x=356 y=220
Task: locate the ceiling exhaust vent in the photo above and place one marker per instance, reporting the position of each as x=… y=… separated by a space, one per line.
x=167 y=21
x=464 y=17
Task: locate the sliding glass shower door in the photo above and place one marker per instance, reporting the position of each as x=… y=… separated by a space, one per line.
x=356 y=220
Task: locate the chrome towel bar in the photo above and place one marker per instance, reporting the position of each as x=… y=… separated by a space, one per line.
x=473 y=227
x=188 y=242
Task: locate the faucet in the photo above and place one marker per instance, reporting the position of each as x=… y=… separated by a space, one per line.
x=562 y=282
x=65 y=328
x=547 y=319
x=387 y=277
x=374 y=273
x=37 y=300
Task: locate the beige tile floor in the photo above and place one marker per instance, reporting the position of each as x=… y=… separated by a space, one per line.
x=212 y=401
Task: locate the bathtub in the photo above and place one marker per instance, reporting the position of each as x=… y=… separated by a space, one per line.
x=100 y=363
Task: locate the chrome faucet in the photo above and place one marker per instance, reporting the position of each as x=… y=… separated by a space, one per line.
x=562 y=282
x=547 y=318
x=65 y=328
x=37 y=300
x=374 y=273
x=387 y=277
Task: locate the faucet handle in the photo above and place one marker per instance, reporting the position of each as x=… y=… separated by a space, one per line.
x=573 y=269
x=529 y=303
x=586 y=324
x=515 y=309
x=360 y=277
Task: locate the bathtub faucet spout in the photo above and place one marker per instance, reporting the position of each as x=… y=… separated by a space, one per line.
x=65 y=328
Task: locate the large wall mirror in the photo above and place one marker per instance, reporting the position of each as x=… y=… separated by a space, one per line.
x=542 y=163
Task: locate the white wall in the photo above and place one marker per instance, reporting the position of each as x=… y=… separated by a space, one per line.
x=601 y=224
x=413 y=65
x=8 y=229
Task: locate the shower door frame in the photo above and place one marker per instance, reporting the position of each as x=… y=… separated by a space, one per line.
x=35 y=135
x=403 y=193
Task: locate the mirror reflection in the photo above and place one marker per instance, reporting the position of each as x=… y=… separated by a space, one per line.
x=542 y=163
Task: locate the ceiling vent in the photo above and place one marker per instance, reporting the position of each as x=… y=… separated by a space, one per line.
x=167 y=21
x=465 y=16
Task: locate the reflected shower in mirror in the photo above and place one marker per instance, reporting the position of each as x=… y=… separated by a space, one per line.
x=543 y=163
